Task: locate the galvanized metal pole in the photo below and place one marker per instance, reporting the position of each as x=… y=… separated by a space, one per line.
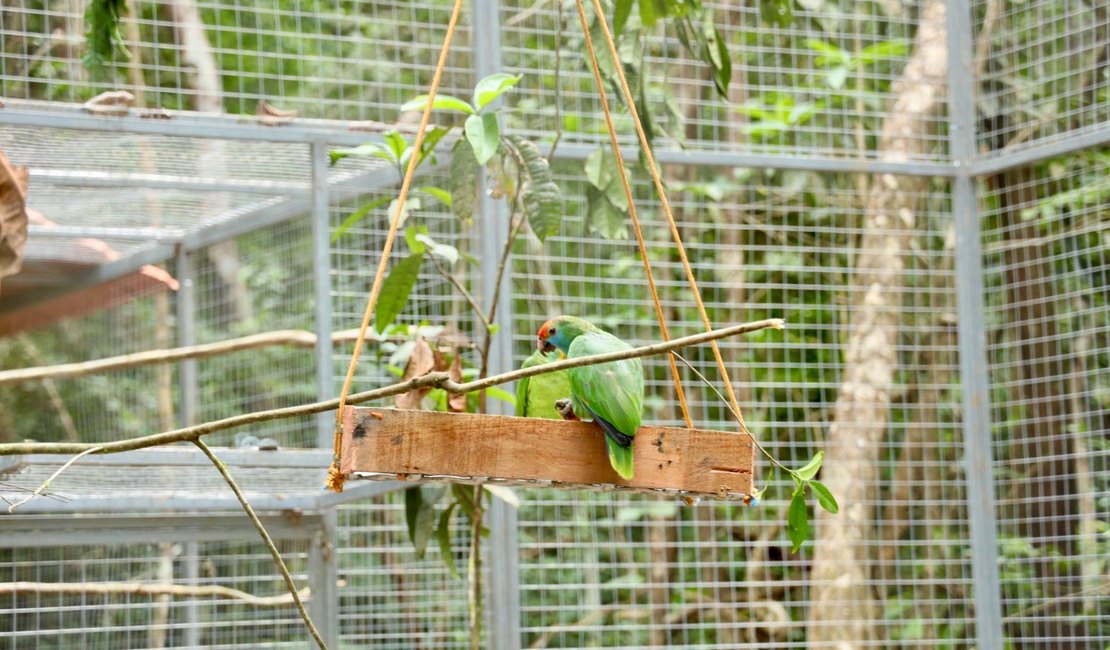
x=503 y=558
x=321 y=284
x=323 y=574
x=186 y=333
x=972 y=332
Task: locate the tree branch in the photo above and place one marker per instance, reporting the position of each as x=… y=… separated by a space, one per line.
x=265 y=540
x=292 y=338
x=431 y=380
x=148 y=589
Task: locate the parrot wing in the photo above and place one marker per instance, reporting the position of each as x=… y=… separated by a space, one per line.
x=613 y=392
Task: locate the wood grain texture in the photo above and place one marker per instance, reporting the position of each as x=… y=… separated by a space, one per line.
x=391 y=441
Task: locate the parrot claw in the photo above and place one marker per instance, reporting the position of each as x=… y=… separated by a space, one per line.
x=565 y=409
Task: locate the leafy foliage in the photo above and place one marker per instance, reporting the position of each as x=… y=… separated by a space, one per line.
x=102 y=36
x=541 y=196
x=396 y=289
x=463 y=181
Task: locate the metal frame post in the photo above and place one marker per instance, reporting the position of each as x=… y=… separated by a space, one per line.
x=972 y=333
x=504 y=557
x=321 y=284
x=187 y=333
x=323 y=574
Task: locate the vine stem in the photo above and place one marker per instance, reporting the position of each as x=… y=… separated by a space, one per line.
x=431 y=380
x=265 y=540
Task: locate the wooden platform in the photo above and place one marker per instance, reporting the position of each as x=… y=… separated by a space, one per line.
x=384 y=443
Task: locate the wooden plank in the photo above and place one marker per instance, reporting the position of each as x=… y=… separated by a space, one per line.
x=428 y=443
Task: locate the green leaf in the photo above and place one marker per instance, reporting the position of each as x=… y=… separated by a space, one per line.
x=438 y=193
x=443 y=251
x=357 y=216
x=501 y=394
x=443 y=535
x=412 y=234
x=494 y=328
x=621 y=11
x=809 y=470
x=649 y=12
x=777 y=12
x=603 y=217
x=722 y=62
x=881 y=51
x=464 y=495
x=396 y=290
x=484 y=136
x=463 y=181
x=396 y=143
x=441 y=103
x=797 y=520
x=370 y=149
x=542 y=198
x=599 y=167
x=418 y=514
x=825 y=497
x=836 y=77
x=492 y=87
x=427 y=147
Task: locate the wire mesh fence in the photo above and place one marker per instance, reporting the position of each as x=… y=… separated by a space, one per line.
x=778 y=221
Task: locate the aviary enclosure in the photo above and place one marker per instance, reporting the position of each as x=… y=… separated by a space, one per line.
x=918 y=189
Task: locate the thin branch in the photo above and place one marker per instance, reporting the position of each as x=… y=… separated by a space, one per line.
x=148 y=589
x=431 y=380
x=56 y=474
x=466 y=294
x=265 y=540
x=983 y=41
x=292 y=338
x=474 y=571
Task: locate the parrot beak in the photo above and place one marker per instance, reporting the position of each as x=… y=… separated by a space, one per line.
x=547 y=347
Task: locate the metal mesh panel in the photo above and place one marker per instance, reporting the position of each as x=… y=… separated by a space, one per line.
x=353 y=61
x=389 y=598
x=137 y=621
x=821 y=86
x=1046 y=244
x=257 y=283
x=655 y=573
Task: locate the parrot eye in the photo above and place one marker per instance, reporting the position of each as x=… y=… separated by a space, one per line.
x=551 y=332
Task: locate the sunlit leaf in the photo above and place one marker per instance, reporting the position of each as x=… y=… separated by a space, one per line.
x=542 y=198
x=370 y=149
x=825 y=497
x=440 y=194
x=599 y=167
x=396 y=289
x=492 y=87
x=441 y=103
x=809 y=470
x=484 y=136
x=603 y=217
x=443 y=251
x=506 y=494
x=622 y=9
x=777 y=12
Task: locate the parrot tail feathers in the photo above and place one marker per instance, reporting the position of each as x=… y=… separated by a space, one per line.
x=619 y=445
x=620 y=458
x=611 y=432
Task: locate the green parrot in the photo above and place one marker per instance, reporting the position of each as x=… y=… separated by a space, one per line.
x=536 y=396
x=610 y=394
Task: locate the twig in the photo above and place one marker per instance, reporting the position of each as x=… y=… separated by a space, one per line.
x=474 y=571
x=291 y=338
x=56 y=474
x=528 y=13
x=265 y=540
x=466 y=294
x=431 y=380
x=148 y=589
x=52 y=391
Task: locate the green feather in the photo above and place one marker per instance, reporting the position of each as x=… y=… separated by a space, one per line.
x=536 y=396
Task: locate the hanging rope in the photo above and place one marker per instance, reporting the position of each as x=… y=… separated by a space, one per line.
x=660 y=191
x=679 y=392
x=335 y=477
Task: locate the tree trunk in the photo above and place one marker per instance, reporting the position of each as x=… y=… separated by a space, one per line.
x=844 y=610
x=1044 y=500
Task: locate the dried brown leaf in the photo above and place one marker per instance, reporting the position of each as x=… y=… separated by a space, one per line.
x=421 y=362
x=456 y=403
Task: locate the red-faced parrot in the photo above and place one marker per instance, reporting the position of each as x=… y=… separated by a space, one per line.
x=611 y=394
